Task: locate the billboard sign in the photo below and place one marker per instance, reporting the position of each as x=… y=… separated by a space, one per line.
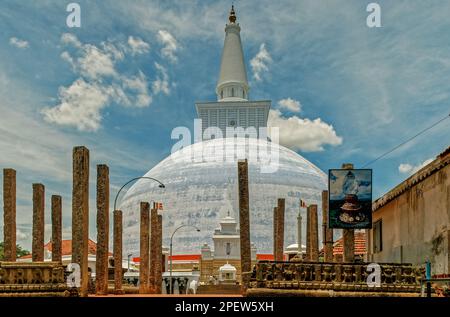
x=350 y=198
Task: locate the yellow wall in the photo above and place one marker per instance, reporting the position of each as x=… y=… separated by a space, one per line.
x=416 y=224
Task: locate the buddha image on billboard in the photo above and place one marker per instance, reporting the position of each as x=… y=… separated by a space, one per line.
x=350 y=202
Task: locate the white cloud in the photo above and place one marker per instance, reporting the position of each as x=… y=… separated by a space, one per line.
x=170 y=45
x=80 y=106
x=70 y=39
x=303 y=134
x=14 y=41
x=20 y=235
x=406 y=168
x=290 y=104
x=99 y=84
x=138 y=46
x=260 y=62
x=95 y=63
x=161 y=84
x=138 y=84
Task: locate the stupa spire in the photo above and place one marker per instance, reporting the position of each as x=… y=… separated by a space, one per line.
x=232 y=84
x=232 y=16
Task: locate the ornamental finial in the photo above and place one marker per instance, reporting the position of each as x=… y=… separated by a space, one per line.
x=232 y=16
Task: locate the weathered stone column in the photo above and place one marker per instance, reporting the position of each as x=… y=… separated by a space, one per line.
x=153 y=247
x=348 y=238
x=56 y=228
x=101 y=265
x=314 y=234
x=37 y=248
x=327 y=234
x=158 y=260
x=299 y=233
x=117 y=250
x=9 y=214
x=144 y=248
x=80 y=213
x=280 y=229
x=275 y=218
x=244 y=223
x=348 y=235
x=308 y=234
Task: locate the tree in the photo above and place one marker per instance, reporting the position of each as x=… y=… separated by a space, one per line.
x=19 y=251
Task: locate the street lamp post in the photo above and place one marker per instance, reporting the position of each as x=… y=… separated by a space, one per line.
x=129 y=256
x=161 y=185
x=170 y=266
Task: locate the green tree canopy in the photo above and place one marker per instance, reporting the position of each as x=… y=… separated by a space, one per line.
x=19 y=251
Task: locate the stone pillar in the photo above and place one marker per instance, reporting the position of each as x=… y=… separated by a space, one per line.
x=244 y=223
x=117 y=250
x=9 y=214
x=348 y=235
x=327 y=234
x=153 y=247
x=275 y=218
x=80 y=213
x=314 y=234
x=56 y=228
x=308 y=234
x=101 y=264
x=348 y=238
x=299 y=233
x=37 y=248
x=159 y=259
x=280 y=229
x=144 y=249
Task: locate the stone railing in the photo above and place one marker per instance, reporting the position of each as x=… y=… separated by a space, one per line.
x=18 y=279
x=335 y=276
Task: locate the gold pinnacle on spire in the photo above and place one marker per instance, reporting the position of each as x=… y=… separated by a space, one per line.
x=232 y=16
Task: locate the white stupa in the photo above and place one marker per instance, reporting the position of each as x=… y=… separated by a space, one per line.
x=201 y=191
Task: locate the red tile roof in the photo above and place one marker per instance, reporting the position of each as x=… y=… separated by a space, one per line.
x=67 y=248
x=360 y=245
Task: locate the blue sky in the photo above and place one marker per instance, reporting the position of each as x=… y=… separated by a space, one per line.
x=342 y=92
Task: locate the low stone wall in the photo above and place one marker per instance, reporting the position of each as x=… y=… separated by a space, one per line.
x=33 y=279
x=332 y=279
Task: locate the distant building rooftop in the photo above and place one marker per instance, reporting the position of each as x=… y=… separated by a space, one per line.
x=67 y=248
x=440 y=162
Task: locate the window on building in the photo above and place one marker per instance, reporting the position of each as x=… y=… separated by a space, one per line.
x=228 y=248
x=243 y=94
x=221 y=94
x=232 y=92
x=377 y=237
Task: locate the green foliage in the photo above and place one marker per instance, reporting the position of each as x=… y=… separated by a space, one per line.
x=19 y=251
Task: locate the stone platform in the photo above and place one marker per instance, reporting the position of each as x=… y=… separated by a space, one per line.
x=333 y=279
x=35 y=279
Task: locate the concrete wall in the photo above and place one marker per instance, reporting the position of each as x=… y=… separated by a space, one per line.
x=416 y=219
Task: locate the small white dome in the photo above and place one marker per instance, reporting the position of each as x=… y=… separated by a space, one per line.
x=227 y=268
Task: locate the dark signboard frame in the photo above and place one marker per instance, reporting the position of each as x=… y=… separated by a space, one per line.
x=335 y=213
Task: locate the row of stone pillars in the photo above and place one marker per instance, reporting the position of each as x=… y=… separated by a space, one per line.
x=150 y=266
x=9 y=220
x=80 y=223
x=312 y=233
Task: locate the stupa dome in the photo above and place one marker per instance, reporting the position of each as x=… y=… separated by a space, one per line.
x=201 y=193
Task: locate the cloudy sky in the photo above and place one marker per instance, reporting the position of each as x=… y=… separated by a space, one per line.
x=340 y=91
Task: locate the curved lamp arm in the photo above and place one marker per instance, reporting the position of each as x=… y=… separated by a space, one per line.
x=161 y=185
x=182 y=226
